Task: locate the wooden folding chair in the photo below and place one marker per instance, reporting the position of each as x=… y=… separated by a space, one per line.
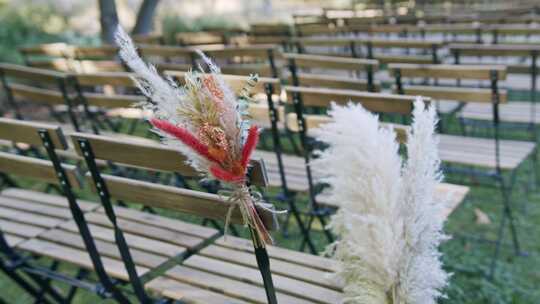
x=38 y=87
x=480 y=157
x=520 y=113
x=26 y=214
x=303 y=98
x=161 y=158
x=221 y=271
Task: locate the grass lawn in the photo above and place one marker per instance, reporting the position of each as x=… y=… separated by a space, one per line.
x=517 y=278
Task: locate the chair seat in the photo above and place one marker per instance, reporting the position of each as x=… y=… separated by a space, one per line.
x=297 y=181
x=513 y=112
x=480 y=152
x=152 y=239
x=452 y=195
x=24 y=214
x=230 y=267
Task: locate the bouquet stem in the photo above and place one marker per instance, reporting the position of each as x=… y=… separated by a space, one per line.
x=264 y=266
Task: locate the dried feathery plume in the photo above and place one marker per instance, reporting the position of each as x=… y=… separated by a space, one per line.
x=363 y=166
x=204 y=120
x=164 y=94
x=389 y=223
x=422 y=277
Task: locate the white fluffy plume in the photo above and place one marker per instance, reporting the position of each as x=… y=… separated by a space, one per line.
x=388 y=223
x=163 y=93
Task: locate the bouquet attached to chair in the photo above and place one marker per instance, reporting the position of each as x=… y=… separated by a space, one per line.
x=207 y=122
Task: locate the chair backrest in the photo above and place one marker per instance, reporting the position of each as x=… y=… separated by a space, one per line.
x=451 y=72
x=200 y=38
x=37 y=86
x=491 y=95
x=314 y=121
x=376 y=102
x=152 y=38
x=108 y=89
x=301 y=68
x=270 y=29
x=164 y=158
x=104 y=52
x=316 y=29
x=354 y=45
x=114 y=92
x=510 y=50
x=245 y=60
x=26 y=132
x=41 y=54
x=167 y=57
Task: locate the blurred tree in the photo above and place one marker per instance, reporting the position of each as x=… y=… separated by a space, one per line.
x=108 y=19
x=145 y=17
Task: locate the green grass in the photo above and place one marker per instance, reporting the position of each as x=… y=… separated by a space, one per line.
x=517 y=278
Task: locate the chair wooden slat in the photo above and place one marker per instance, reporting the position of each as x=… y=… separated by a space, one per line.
x=24 y=72
x=104 y=51
x=455 y=93
x=106 y=78
x=331 y=62
x=313 y=121
x=198 y=203
x=37 y=95
x=112 y=101
x=475 y=49
x=50 y=49
x=255 y=51
x=236 y=82
x=377 y=102
x=333 y=82
x=166 y=51
x=27 y=132
x=35 y=168
x=479 y=72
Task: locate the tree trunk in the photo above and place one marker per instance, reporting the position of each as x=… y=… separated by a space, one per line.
x=145 y=17
x=108 y=19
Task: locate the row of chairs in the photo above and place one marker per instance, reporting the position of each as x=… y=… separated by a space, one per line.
x=135 y=256
x=423 y=14
x=267 y=60
x=135 y=191
x=312 y=93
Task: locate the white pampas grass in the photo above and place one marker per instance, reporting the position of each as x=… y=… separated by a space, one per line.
x=388 y=222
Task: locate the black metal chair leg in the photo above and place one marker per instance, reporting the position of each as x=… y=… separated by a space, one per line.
x=308 y=231
x=506 y=215
x=82 y=273
x=47 y=282
x=21 y=282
